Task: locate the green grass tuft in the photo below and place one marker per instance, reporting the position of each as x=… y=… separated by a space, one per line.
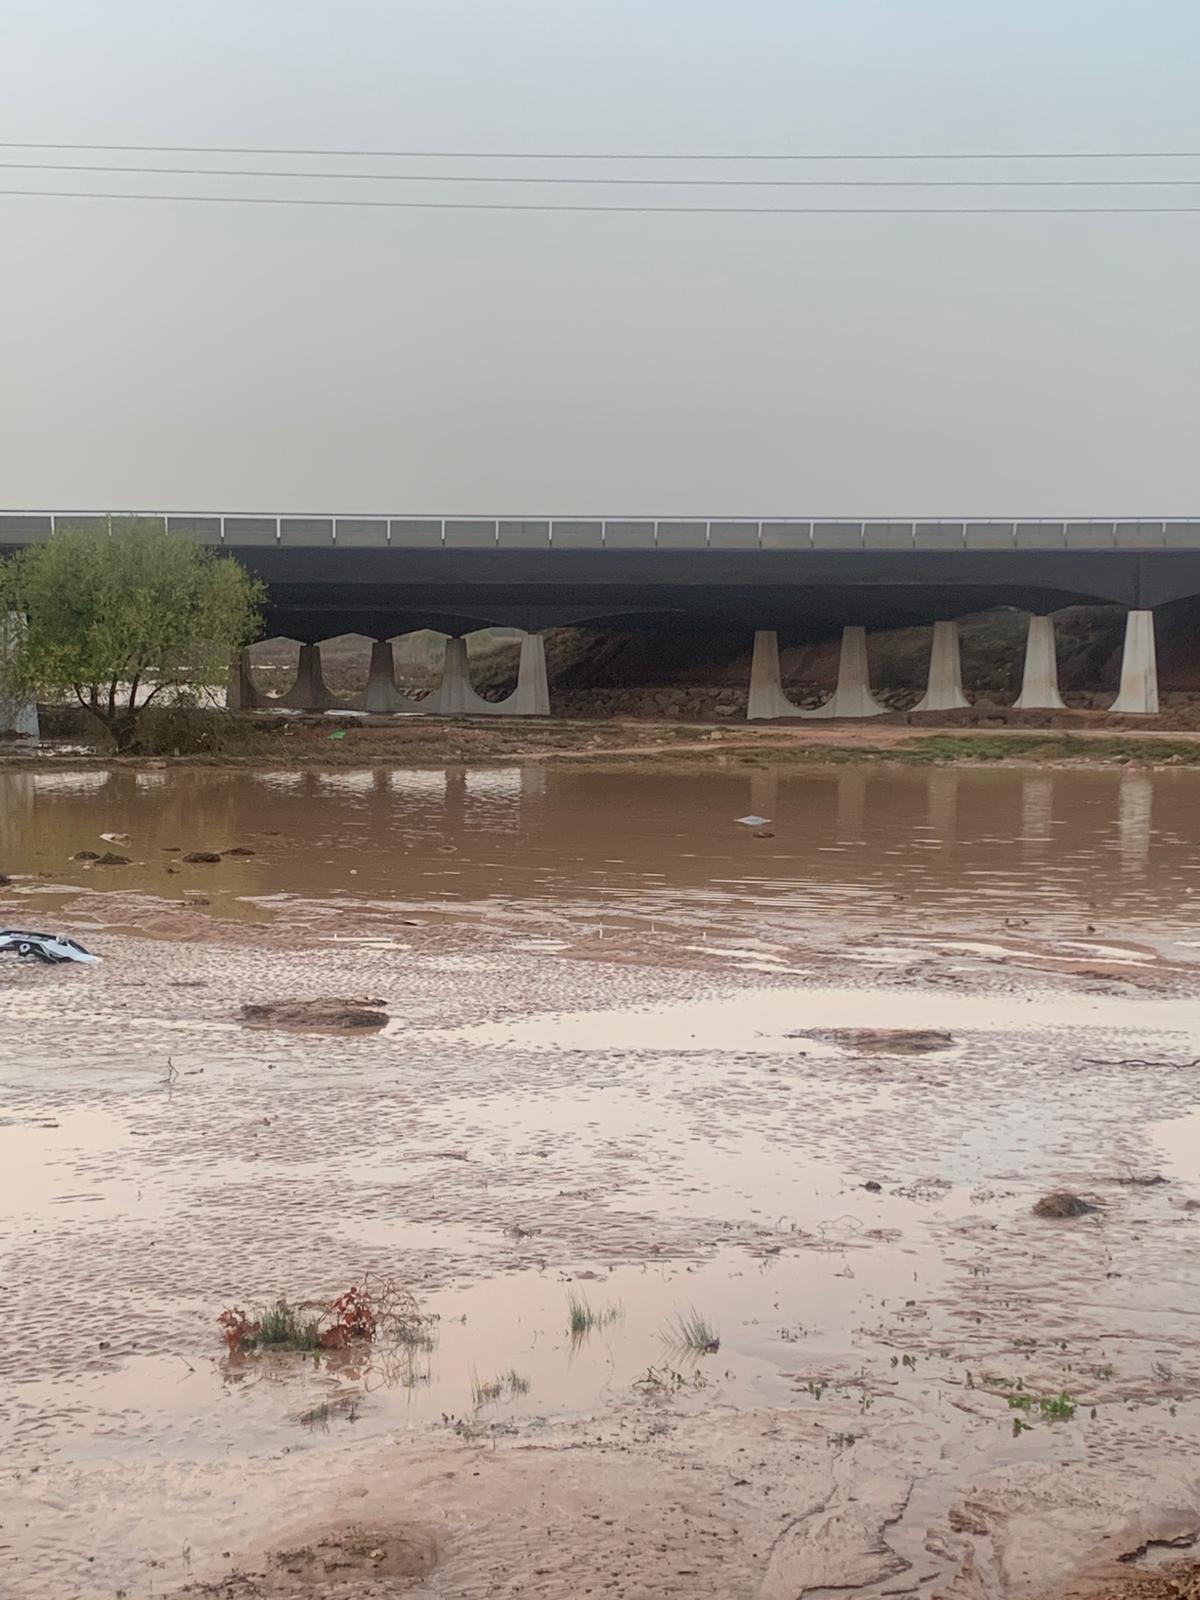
x=689 y=1330
x=485 y=1390
x=283 y=1324
x=582 y=1316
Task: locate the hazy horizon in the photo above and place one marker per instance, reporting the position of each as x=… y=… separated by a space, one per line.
x=211 y=357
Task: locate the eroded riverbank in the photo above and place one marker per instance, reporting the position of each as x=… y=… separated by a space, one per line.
x=288 y=741
x=621 y=1065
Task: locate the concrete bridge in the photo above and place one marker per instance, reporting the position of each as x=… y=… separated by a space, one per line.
x=384 y=576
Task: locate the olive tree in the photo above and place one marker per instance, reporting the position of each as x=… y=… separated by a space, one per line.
x=120 y=617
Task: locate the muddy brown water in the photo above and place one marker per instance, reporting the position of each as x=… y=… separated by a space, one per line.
x=858 y=845
x=617 y=1068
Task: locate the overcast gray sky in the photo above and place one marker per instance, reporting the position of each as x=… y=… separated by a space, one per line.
x=239 y=357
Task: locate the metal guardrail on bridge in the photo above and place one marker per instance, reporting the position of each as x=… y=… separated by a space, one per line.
x=631 y=533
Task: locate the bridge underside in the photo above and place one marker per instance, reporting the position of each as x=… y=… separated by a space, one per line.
x=316 y=594
x=791 y=585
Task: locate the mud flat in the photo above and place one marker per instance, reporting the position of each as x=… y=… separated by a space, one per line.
x=643 y=1072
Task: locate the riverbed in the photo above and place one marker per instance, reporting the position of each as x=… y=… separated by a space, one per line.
x=625 y=1064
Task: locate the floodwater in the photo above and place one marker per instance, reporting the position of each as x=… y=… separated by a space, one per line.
x=621 y=1065
x=852 y=847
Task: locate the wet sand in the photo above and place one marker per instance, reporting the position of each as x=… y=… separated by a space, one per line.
x=620 y=1066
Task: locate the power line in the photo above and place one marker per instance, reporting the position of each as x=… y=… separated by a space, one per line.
x=694 y=183
x=627 y=155
x=651 y=210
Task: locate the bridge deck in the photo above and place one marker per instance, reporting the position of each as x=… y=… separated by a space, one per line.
x=247 y=531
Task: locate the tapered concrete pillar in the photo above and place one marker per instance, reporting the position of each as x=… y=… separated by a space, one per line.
x=240 y=693
x=1139 y=667
x=455 y=696
x=852 y=697
x=309 y=693
x=531 y=698
x=18 y=713
x=766 y=698
x=381 y=692
x=1039 y=686
x=944 y=691
x=382 y=696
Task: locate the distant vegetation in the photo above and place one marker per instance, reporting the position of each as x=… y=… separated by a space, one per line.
x=116 y=620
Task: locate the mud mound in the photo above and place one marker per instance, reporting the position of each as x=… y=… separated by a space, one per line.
x=350 y=1564
x=1178 y=1581
x=1061 y=1203
x=892 y=1041
x=326 y=1016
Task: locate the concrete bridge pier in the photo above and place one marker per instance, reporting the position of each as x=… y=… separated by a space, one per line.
x=309 y=692
x=1138 y=695
x=851 y=698
x=240 y=693
x=530 y=698
x=945 y=688
x=382 y=696
x=766 y=698
x=17 y=715
x=455 y=696
x=1039 y=684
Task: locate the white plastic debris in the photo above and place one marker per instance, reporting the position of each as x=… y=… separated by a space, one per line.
x=48 y=947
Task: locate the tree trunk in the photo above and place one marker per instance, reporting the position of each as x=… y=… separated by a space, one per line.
x=123 y=728
x=120 y=725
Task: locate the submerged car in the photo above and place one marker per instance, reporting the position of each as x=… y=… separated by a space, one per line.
x=48 y=947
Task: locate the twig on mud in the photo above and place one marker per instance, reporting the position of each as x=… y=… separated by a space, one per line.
x=184 y=1359
x=172 y=1075
x=1137 y=1061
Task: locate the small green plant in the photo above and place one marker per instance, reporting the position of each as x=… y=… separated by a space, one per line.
x=582 y=1316
x=485 y=1390
x=689 y=1330
x=284 y=1324
x=1057 y=1407
x=1051 y=1407
x=1019 y=1427
x=376 y=1309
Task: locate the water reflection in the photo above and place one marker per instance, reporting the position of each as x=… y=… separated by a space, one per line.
x=1037 y=813
x=851 y=805
x=1135 y=802
x=943 y=806
x=853 y=845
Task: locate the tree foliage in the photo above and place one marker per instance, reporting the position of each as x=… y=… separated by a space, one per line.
x=117 y=619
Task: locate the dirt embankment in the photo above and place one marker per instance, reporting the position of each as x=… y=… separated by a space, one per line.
x=266 y=741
